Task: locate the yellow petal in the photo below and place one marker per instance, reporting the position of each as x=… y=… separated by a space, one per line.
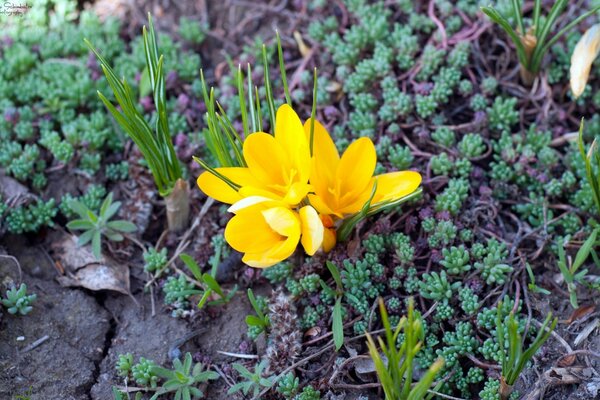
x=395 y=185
x=287 y=224
x=329 y=239
x=216 y=188
x=297 y=192
x=312 y=230
x=283 y=221
x=271 y=257
x=289 y=133
x=325 y=157
x=356 y=167
x=247 y=202
x=266 y=159
x=584 y=54
x=249 y=232
x=321 y=206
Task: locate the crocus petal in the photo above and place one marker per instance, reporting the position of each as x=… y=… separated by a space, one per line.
x=286 y=224
x=584 y=54
x=312 y=230
x=271 y=257
x=215 y=187
x=395 y=185
x=290 y=134
x=356 y=166
x=329 y=239
x=248 y=232
x=219 y=190
x=325 y=157
x=321 y=206
x=247 y=202
x=266 y=158
x=297 y=192
x=283 y=221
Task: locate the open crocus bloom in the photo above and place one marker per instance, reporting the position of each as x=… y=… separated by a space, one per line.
x=270 y=197
x=278 y=165
x=342 y=185
x=584 y=54
x=268 y=232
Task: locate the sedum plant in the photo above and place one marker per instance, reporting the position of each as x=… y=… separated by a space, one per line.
x=514 y=357
x=97 y=225
x=533 y=42
x=155 y=144
x=396 y=376
x=17 y=301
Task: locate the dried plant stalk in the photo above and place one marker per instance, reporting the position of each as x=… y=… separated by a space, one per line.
x=178 y=206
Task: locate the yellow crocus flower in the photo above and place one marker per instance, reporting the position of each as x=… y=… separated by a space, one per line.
x=342 y=185
x=268 y=232
x=278 y=165
x=584 y=54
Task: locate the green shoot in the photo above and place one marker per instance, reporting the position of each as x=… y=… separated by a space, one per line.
x=533 y=43
x=591 y=159
x=210 y=283
x=337 y=325
x=396 y=375
x=260 y=320
x=182 y=379
x=532 y=286
x=96 y=226
x=253 y=381
x=515 y=357
x=155 y=145
x=570 y=269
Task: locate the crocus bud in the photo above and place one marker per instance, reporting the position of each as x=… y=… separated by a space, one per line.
x=583 y=56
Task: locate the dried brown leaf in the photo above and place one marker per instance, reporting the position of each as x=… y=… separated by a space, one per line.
x=83 y=270
x=580 y=312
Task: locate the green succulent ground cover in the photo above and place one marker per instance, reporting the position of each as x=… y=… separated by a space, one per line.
x=502 y=188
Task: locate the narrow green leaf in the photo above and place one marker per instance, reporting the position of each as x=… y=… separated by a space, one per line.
x=192 y=266
x=500 y=20
x=335 y=273
x=584 y=251
x=253 y=320
x=338 y=326
x=241 y=96
x=212 y=284
x=122 y=226
x=516 y=5
x=204 y=298
x=97 y=245
x=145 y=86
x=254 y=303
x=268 y=89
x=286 y=90
x=80 y=224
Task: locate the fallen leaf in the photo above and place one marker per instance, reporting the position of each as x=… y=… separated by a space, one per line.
x=11 y=189
x=302 y=47
x=585 y=332
x=566 y=376
x=567 y=361
x=580 y=312
x=83 y=270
